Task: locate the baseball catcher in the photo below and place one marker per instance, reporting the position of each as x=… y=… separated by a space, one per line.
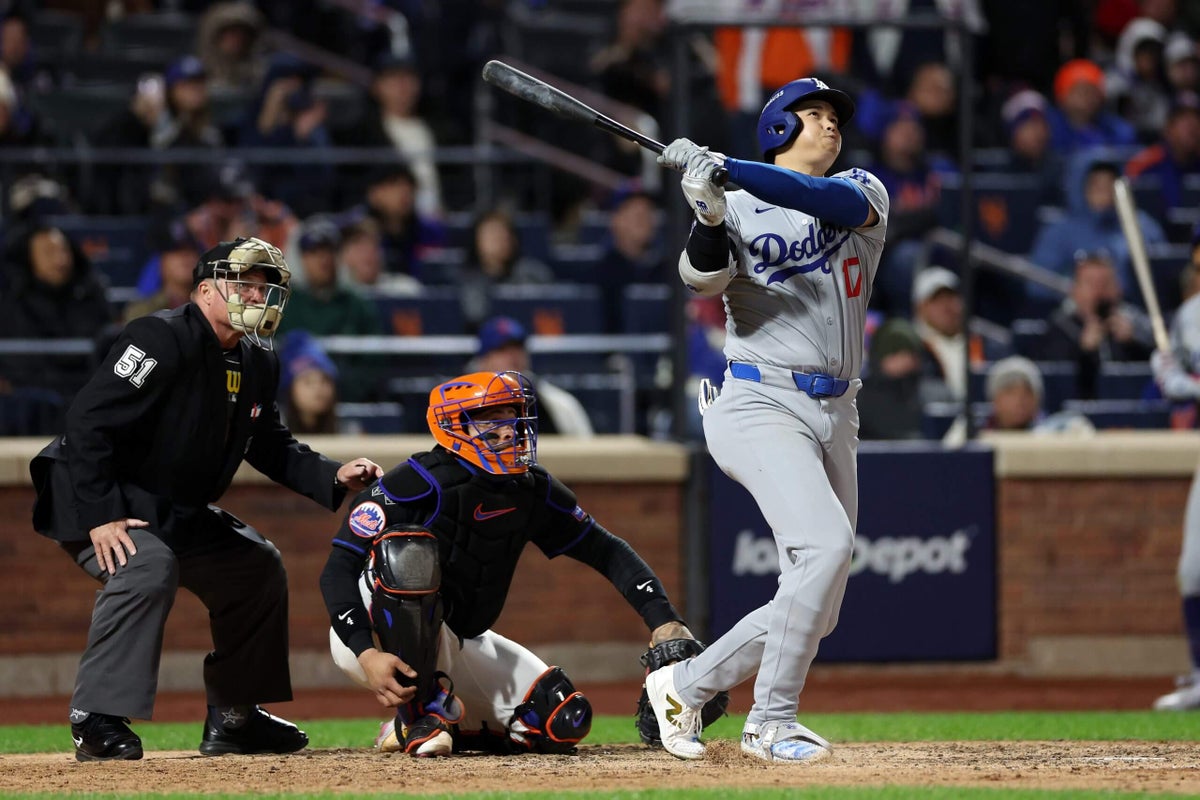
x=422 y=565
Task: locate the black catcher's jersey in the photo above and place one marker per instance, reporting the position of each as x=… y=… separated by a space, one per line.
x=482 y=523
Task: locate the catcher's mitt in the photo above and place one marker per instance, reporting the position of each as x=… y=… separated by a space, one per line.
x=659 y=656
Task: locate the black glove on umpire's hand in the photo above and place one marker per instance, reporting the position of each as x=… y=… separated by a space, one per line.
x=659 y=656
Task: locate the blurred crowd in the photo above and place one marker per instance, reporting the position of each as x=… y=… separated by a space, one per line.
x=1069 y=97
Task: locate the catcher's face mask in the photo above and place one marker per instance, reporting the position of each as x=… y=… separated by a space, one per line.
x=253 y=280
x=488 y=418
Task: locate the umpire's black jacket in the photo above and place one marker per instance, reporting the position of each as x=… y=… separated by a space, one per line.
x=148 y=440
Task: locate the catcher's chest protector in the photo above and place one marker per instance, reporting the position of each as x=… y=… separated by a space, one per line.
x=482 y=526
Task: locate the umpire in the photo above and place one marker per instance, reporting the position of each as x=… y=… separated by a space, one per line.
x=155 y=436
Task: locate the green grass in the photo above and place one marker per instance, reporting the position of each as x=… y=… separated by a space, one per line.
x=900 y=727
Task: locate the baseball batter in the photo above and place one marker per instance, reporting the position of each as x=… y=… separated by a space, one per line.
x=795 y=255
x=1178 y=374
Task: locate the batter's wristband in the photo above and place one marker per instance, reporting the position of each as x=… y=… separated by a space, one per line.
x=708 y=247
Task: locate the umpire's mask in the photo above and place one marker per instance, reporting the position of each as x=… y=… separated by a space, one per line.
x=255 y=306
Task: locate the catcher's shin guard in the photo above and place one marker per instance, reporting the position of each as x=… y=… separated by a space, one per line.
x=406 y=609
x=553 y=718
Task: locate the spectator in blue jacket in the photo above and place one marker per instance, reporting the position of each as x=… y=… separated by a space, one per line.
x=1090 y=224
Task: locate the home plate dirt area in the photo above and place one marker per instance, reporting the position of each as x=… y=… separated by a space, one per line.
x=1119 y=766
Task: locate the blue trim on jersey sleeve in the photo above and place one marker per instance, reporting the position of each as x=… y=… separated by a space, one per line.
x=575 y=541
x=551 y=503
x=424 y=473
x=835 y=200
x=362 y=551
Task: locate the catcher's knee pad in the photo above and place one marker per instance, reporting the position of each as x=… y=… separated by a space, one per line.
x=405 y=575
x=553 y=718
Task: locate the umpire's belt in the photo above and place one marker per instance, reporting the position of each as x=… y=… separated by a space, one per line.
x=815 y=384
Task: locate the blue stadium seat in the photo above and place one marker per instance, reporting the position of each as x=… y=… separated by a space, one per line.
x=374 y=418
x=1124 y=380
x=1123 y=413
x=1166 y=265
x=646 y=308
x=1006 y=209
x=53 y=33
x=936 y=419
x=170 y=32
x=432 y=311
x=76 y=111
x=608 y=399
x=1027 y=335
x=115 y=245
x=533 y=231
x=577 y=263
x=549 y=309
x=411 y=393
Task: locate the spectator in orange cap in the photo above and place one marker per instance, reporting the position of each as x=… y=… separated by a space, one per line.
x=1079 y=119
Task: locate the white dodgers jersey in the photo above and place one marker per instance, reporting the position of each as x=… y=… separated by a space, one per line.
x=799 y=298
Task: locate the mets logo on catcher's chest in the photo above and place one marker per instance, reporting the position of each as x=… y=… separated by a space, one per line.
x=366 y=520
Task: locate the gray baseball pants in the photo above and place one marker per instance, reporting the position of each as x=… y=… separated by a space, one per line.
x=797 y=456
x=240 y=578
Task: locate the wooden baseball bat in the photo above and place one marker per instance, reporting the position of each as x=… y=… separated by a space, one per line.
x=1127 y=214
x=540 y=93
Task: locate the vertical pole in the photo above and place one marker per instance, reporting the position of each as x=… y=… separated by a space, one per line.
x=966 y=132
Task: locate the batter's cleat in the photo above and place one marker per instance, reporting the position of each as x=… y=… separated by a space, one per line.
x=102 y=737
x=1186 y=696
x=784 y=742
x=249 y=730
x=678 y=724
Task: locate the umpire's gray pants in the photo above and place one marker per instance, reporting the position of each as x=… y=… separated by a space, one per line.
x=242 y=582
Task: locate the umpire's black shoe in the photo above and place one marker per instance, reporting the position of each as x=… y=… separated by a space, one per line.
x=100 y=737
x=247 y=730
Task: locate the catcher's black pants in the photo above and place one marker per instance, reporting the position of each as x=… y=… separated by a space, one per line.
x=239 y=577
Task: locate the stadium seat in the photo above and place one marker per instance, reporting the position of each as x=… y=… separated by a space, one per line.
x=577 y=263
x=550 y=309
x=55 y=33
x=608 y=399
x=374 y=418
x=170 y=32
x=115 y=245
x=112 y=69
x=432 y=311
x=1005 y=206
x=1027 y=335
x=936 y=419
x=1124 y=380
x=77 y=111
x=646 y=308
x=1166 y=266
x=1123 y=413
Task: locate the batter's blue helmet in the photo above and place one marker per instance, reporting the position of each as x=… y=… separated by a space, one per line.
x=777 y=125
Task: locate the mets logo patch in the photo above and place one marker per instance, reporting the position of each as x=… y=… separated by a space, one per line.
x=579 y=513
x=367 y=519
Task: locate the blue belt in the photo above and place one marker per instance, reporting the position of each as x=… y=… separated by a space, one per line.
x=816 y=384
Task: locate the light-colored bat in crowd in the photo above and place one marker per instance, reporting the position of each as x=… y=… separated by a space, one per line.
x=1127 y=213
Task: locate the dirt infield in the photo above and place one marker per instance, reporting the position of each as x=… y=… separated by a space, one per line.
x=1124 y=766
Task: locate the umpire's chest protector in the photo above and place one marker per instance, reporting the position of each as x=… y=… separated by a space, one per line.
x=482 y=523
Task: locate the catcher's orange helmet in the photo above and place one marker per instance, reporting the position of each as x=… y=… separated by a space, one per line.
x=453 y=404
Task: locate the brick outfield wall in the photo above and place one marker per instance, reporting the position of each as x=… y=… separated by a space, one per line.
x=1076 y=557
x=48 y=600
x=1088 y=557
